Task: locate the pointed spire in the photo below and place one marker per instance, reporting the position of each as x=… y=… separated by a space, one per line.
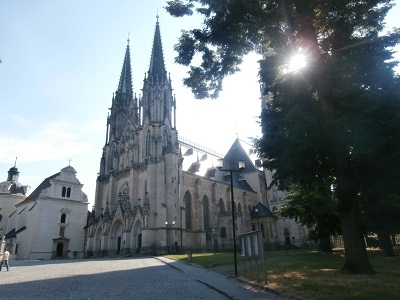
x=125 y=81
x=157 y=70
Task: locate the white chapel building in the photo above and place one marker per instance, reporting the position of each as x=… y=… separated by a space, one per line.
x=50 y=222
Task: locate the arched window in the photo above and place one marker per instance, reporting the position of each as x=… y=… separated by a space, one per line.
x=221 y=205
x=68 y=192
x=206 y=213
x=123 y=195
x=64 y=191
x=239 y=209
x=165 y=104
x=188 y=210
x=148 y=142
x=223 y=232
x=63 y=218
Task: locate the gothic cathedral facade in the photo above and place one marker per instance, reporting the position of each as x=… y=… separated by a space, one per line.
x=145 y=202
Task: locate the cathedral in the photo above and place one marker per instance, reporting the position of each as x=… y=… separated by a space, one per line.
x=148 y=200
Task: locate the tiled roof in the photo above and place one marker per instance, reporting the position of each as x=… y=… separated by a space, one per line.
x=263 y=212
x=35 y=194
x=231 y=160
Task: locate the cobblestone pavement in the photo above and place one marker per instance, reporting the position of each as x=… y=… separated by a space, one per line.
x=119 y=278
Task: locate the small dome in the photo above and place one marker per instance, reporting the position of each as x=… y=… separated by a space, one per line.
x=69 y=169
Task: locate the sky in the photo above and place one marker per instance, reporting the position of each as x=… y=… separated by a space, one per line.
x=61 y=63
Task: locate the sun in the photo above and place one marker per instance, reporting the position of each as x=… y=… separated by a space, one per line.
x=297 y=62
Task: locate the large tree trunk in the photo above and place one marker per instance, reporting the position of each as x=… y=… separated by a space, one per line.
x=385 y=243
x=356 y=256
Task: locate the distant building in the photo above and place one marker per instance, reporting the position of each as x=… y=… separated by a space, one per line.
x=12 y=192
x=50 y=222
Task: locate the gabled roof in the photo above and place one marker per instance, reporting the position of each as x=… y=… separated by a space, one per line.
x=231 y=161
x=157 y=70
x=236 y=153
x=13 y=233
x=35 y=194
x=263 y=212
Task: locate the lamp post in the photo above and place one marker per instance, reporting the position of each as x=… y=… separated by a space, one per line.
x=258 y=225
x=241 y=166
x=215 y=240
x=168 y=237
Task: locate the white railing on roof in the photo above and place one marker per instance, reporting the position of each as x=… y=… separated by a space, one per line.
x=197 y=146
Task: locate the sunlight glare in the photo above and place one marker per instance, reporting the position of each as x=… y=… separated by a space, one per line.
x=297 y=62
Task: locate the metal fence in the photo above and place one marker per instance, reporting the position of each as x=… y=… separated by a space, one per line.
x=294 y=245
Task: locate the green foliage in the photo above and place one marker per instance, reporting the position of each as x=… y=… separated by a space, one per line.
x=337 y=119
x=314 y=206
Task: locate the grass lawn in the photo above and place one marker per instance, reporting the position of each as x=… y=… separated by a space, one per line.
x=315 y=275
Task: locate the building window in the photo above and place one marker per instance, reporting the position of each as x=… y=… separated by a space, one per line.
x=66 y=192
x=148 y=139
x=63 y=218
x=221 y=205
x=206 y=214
x=223 y=232
x=188 y=210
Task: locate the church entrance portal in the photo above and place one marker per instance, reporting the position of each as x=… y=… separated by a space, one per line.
x=60 y=248
x=119 y=245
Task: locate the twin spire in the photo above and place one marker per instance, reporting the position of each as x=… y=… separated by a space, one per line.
x=156 y=71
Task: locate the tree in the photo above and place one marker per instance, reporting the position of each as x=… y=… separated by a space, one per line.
x=313 y=127
x=314 y=206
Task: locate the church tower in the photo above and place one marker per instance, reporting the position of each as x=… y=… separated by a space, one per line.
x=138 y=187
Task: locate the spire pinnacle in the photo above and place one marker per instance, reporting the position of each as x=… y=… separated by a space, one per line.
x=125 y=81
x=128 y=40
x=157 y=70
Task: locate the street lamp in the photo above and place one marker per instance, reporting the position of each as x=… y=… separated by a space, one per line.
x=168 y=237
x=258 y=225
x=241 y=166
x=215 y=240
